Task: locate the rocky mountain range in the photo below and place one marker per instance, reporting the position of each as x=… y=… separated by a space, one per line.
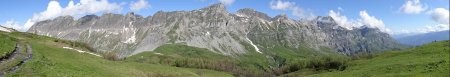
x=215 y=29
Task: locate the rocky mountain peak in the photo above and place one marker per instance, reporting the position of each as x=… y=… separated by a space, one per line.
x=326 y=22
x=64 y=18
x=325 y=18
x=252 y=13
x=280 y=17
x=111 y=15
x=88 y=17
x=130 y=13
x=215 y=8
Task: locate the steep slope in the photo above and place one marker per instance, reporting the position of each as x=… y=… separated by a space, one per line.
x=429 y=60
x=215 y=29
x=420 y=39
x=50 y=58
x=108 y=33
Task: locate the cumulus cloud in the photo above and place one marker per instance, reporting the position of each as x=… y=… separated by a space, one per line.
x=413 y=7
x=342 y=20
x=227 y=2
x=280 y=5
x=440 y=15
x=370 y=21
x=54 y=10
x=141 y=4
x=364 y=20
x=296 y=10
x=373 y=22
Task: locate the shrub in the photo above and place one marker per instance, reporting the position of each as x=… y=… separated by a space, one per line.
x=111 y=56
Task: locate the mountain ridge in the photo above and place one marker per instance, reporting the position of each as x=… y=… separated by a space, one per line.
x=213 y=28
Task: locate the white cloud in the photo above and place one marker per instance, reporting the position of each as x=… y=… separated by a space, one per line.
x=370 y=21
x=227 y=2
x=141 y=4
x=54 y=10
x=340 y=9
x=365 y=19
x=413 y=7
x=440 y=15
x=280 y=5
x=91 y=7
x=426 y=29
x=297 y=11
x=342 y=20
x=13 y=24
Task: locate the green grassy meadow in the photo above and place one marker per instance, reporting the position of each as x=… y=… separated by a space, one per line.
x=430 y=60
x=51 y=60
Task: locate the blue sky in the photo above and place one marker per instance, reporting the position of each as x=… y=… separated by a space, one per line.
x=390 y=12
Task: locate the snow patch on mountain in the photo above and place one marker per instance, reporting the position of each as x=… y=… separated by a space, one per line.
x=81 y=51
x=131 y=39
x=256 y=48
x=158 y=53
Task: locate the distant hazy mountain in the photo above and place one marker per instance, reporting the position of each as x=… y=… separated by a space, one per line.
x=420 y=39
x=215 y=29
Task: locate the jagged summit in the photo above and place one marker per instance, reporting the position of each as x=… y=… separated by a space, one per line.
x=325 y=18
x=130 y=14
x=215 y=8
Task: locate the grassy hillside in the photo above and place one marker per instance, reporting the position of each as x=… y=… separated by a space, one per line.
x=430 y=60
x=7 y=45
x=251 y=64
x=9 y=58
x=193 y=57
x=50 y=59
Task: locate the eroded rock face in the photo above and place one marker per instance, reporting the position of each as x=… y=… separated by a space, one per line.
x=212 y=28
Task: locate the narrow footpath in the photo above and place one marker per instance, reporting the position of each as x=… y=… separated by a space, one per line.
x=13 y=61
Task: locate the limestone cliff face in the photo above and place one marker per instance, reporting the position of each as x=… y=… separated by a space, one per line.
x=213 y=28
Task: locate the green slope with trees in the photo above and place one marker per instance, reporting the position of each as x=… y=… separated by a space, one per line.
x=430 y=60
x=175 y=60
